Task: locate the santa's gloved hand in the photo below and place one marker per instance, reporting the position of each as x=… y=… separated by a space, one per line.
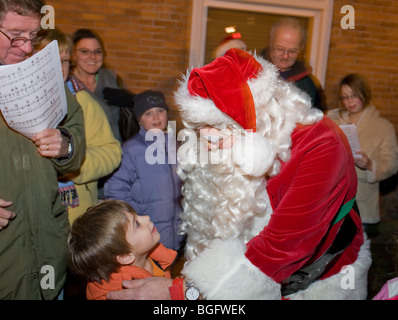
x=118 y=97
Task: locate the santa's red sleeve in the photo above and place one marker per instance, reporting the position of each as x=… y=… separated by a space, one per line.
x=306 y=196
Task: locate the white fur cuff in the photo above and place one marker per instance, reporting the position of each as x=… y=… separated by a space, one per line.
x=222 y=272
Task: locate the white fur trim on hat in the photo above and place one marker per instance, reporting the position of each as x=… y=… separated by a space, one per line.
x=196 y=112
x=225 y=46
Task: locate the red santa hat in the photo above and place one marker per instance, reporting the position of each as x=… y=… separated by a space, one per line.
x=232 y=41
x=224 y=81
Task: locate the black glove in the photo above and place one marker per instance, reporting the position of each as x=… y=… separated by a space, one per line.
x=118 y=97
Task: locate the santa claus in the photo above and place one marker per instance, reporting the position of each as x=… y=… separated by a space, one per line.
x=269 y=188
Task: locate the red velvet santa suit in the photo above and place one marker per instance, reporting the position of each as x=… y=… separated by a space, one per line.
x=305 y=196
x=310 y=175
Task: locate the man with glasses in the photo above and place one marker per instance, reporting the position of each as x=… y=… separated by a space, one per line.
x=16 y=52
x=287 y=39
x=33 y=222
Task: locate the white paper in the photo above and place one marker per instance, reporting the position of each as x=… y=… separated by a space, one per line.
x=32 y=92
x=351 y=132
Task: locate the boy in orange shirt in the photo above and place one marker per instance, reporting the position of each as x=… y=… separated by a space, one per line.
x=111 y=243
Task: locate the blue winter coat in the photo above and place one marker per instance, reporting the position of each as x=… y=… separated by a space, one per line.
x=151 y=189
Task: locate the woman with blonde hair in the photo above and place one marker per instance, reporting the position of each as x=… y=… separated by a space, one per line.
x=79 y=189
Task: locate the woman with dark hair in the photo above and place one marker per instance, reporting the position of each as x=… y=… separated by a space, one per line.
x=89 y=70
x=378 y=158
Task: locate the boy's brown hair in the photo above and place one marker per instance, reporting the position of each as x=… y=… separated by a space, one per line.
x=96 y=239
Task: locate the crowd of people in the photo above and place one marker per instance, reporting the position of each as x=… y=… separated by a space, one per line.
x=84 y=198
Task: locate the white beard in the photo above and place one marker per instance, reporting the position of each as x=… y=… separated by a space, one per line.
x=224 y=191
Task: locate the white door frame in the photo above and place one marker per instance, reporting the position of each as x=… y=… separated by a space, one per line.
x=320 y=11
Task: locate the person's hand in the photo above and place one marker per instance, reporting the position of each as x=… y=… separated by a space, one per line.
x=51 y=143
x=5 y=215
x=363 y=162
x=155 y=288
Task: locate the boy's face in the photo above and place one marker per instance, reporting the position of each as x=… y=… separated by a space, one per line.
x=154 y=118
x=141 y=234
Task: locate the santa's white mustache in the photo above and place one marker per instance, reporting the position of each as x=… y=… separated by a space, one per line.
x=246 y=149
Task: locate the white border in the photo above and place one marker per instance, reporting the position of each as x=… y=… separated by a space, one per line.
x=321 y=11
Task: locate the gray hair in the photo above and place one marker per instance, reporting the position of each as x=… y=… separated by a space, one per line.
x=21 y=7
x=291 y=23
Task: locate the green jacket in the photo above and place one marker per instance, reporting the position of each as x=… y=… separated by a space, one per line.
x=33 y=245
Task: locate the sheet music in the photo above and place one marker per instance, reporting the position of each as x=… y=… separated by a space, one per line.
x=32 y=92
x=350 y=131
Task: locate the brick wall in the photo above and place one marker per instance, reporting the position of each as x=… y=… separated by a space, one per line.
x=370 y=49
x=147 y=43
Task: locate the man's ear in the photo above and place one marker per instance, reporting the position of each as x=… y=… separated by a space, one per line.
x=126 y=259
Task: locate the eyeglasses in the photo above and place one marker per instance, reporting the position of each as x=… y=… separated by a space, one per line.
x=282 y=51
x=87 y=52
x=347 y=98
x=20 y=41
